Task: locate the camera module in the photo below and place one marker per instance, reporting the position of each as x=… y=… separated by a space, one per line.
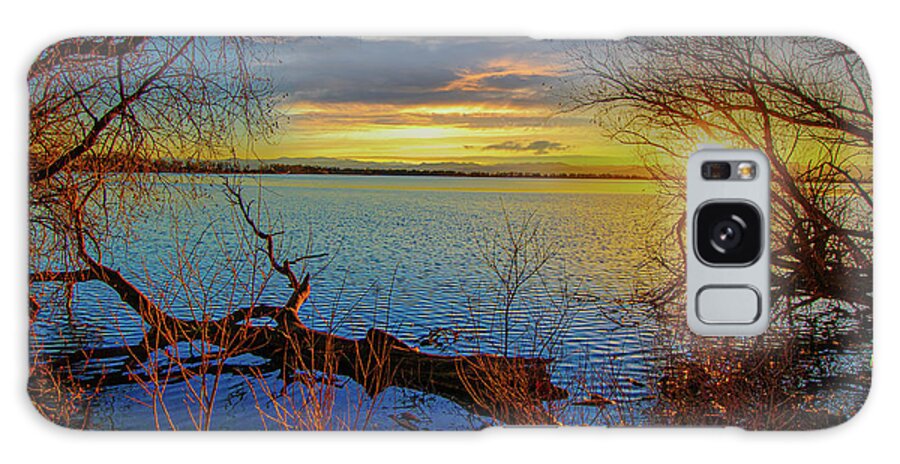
x=728 y=233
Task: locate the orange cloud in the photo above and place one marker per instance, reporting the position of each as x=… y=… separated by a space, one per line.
x=479 y=80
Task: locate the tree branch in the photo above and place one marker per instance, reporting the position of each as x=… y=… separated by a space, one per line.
x=101 y=123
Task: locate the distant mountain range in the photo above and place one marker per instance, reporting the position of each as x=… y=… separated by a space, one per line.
x=548 y=168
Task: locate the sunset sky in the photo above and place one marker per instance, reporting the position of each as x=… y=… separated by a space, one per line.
x=431 y=100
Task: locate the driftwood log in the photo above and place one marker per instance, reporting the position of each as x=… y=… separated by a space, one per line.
x=509 y=389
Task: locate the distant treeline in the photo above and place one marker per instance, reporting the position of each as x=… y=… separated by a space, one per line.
x=230 y=167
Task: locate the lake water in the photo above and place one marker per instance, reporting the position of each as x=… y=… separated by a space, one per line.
x=404 y=256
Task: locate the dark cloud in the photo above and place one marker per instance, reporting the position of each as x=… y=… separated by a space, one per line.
x=406 y=71
x=512 y=82
x=538 y=147
x=387 y=117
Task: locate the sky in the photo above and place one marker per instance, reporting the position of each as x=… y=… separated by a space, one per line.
x=488 y=101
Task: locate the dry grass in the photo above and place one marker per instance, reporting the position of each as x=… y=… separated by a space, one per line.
x=760 y=387
x=58 y=393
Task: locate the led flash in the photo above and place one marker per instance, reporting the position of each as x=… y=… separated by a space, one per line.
x=746 y=170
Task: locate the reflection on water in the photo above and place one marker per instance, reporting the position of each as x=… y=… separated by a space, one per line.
x=404 y=257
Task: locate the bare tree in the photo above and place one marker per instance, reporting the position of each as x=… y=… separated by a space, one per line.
x=104 y=109
x=514 y=254
x=804 y=102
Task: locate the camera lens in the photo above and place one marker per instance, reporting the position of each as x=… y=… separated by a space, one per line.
x=728 y=233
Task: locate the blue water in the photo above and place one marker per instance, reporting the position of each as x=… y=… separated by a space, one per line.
x=404 y=255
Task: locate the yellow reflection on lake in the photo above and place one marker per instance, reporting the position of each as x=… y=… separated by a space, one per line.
x=464 y=184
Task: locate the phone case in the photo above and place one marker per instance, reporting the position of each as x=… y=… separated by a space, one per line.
x=435 y=233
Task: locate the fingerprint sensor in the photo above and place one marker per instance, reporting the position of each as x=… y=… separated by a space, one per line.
x=726 y=304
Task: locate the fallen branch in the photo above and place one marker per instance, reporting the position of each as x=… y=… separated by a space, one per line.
x=510 y=389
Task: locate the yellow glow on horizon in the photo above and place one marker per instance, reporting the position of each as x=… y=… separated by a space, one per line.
x=501 y=122
x=401 y=132
x=436 y=132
